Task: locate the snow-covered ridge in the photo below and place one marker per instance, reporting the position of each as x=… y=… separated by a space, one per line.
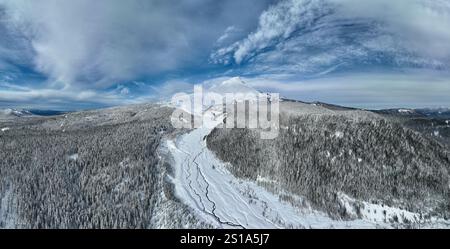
x=14 y=113
x=405 y=111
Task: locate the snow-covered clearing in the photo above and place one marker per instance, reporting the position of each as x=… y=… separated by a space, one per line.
x=390 y=215
x=73 y=157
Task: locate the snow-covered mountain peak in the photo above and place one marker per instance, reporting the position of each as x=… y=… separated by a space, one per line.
x=239 y=90
x=233 y=85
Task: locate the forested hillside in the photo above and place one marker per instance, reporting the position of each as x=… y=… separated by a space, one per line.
x=97 y=169
x=321 y=153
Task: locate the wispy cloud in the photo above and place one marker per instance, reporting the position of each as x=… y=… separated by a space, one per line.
x=308 y=36
x=94 y=47
x=105 y=41
x=58 y=99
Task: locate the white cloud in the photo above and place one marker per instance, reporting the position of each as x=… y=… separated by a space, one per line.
x=230 y=33
x=70 y=98
x=7 y=85
x=171 y=87
x=74 y=52
x=125 y=91
x=98 y=43
x=58 y=96
x=306 y=35
x=101 y=41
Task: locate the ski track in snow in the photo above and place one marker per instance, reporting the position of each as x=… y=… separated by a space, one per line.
x=204 y=183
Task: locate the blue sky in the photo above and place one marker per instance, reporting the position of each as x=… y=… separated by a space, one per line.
x=82 y=54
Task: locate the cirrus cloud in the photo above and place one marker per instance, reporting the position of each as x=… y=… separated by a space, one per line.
x=104 y=41
x=312 y=36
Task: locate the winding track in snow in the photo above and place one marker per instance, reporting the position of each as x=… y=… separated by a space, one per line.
x=214 y=205
x=189 y=163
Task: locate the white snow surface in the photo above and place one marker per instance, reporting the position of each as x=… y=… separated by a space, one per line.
x=338 y=134
x=5 y=113
x=73 y=157
x=204 y=183
x=405 y=111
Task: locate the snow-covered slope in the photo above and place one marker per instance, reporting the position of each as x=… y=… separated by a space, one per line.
x=223 y=199
x=323 y=153
x=205 y=184
x=13 y=113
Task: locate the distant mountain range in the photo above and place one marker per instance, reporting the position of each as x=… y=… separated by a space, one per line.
x=437 y=113
x=11 y=113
